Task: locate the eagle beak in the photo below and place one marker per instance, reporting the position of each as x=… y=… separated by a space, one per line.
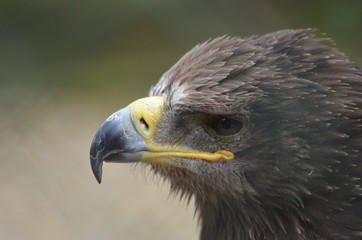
x=116 y=140
x=127 y=136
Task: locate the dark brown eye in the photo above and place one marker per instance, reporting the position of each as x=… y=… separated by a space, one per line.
x=224 y=126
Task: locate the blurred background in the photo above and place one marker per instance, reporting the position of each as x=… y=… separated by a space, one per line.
x=65 y=66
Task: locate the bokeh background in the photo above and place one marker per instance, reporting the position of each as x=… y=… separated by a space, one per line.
x=66 y=65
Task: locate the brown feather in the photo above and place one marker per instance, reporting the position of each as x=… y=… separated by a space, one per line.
x=298 y=166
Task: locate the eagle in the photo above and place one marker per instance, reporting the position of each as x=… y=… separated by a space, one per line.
x=265 y=133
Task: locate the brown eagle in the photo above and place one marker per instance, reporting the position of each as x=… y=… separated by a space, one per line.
x=264 y=132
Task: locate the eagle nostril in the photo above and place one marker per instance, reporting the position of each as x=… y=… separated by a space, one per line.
x=144 y=124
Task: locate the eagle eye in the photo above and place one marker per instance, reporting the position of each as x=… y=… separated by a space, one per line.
x=224 y=126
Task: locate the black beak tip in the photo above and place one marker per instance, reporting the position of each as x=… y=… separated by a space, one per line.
x=97 y=168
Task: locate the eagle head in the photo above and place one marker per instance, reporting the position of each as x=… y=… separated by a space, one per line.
x=264 y=132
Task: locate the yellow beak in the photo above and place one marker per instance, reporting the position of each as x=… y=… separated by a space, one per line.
x=127 y=136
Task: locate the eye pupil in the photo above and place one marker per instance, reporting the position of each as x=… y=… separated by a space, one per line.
x=226 y=123
x=224 y=126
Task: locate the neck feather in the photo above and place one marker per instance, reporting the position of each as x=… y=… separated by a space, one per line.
x=249 y=220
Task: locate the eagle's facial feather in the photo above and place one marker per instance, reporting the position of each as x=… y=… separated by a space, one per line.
x=292 y=91
x=204 y=79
